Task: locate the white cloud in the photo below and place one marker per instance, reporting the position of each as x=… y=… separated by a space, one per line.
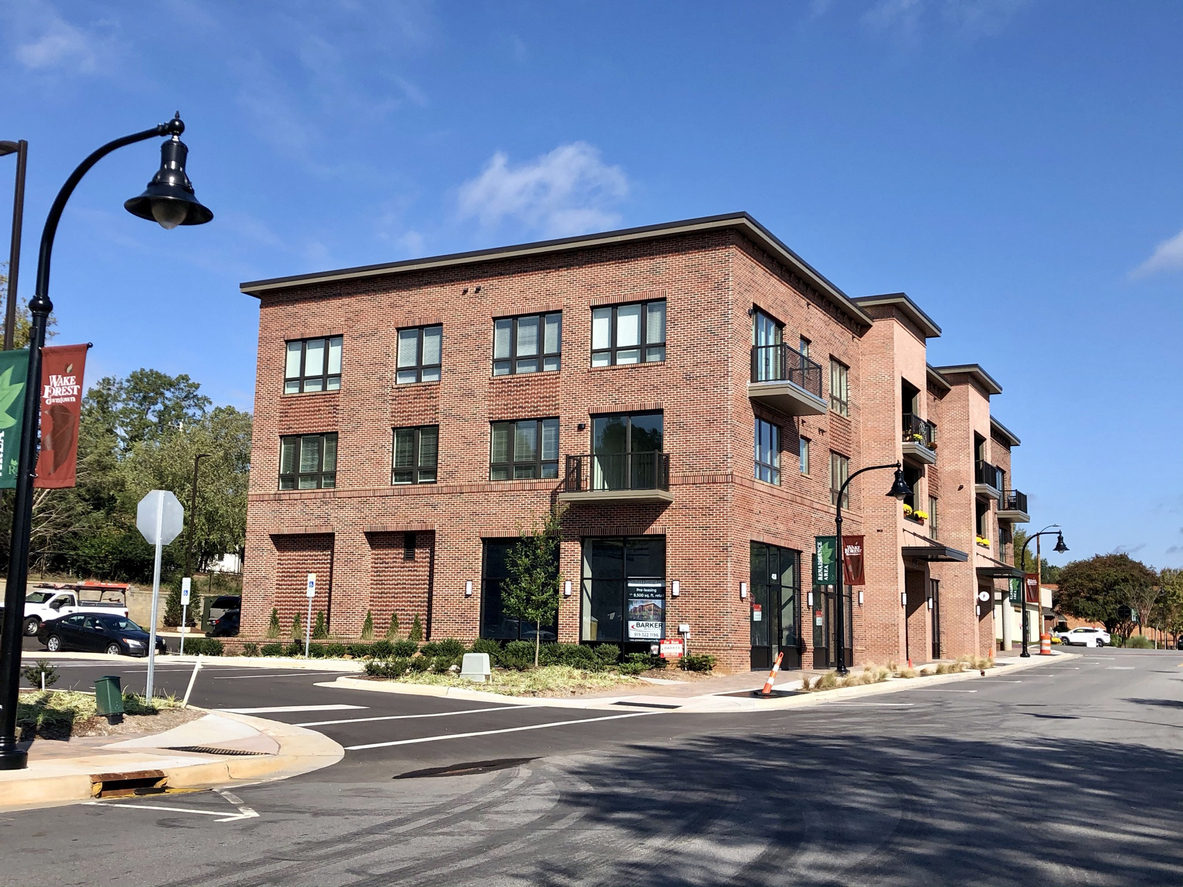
x=47 y=43
x=566 y=192
x=1167 y=256
x=968 y=19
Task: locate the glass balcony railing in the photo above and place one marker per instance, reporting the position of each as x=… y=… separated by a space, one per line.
x=617 y=472
x=780 y=363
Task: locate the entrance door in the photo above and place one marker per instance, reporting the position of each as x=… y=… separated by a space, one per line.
x=824 y=640
x=775 y=584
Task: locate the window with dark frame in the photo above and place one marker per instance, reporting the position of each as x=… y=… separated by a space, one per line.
x=628 y=334
x=531 y=343
x=312 y=365
x=495 y=622
x=308 y=461
x=839 y=387
x=524 y=450
x=623 y=589
x=416 y=454
x=767 y=452
x=419 y=354
x=933 y=519
x=409 y=540
x=839 y=473
x=805 y=455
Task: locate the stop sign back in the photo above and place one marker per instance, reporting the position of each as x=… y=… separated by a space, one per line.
x=160 y=517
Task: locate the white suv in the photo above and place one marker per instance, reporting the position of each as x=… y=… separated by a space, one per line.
x=1085 y=637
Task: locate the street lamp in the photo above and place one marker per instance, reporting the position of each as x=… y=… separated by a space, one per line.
x=899 y=490
x=1060 y=548
x=168 y=200
x=193 y=513
x=21 y=150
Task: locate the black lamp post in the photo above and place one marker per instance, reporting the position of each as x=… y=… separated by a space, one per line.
x=193 y=513
x=168 y=200
x=1061 y=548
x=21 y=150
x=899 y=490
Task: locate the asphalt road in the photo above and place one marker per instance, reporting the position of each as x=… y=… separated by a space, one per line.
x=1066 y=774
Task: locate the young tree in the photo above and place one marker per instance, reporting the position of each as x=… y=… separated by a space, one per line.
x=533 y=588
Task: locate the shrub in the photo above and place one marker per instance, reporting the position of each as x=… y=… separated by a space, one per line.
x=334 y=651
x=297 y=628
x=381 y=649
x=406 y=648
x=420 y=664
x=633 y=668
x=486 y=645
x=449 y=647
x=442 y=664
x=1139 y=642
x=394 y=667
x=320 y=629
x=295 y=648
x=416 y=632
x=250 y=649
x=607 y=653
x=359 y=651
x=40 y=671
x=367 y=627
x=701 y=662
x=639 y=662
x=316 y=651
x=273 y=628
x=392 y=631
x=272 y=650
x=518 y=655
x=430 y=649
x=203 y=647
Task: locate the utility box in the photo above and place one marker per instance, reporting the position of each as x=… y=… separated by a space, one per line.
x=108 y=697
x=476 y=667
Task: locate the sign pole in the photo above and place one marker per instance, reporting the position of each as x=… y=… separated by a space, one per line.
x=155 y=601
x=308 y=621
x=185 y=584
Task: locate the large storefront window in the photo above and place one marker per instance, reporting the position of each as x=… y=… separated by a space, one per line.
x=495 y=622
x=624 y=589
x=776 y=586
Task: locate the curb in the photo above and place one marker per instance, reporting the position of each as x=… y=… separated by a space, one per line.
x=343 y=665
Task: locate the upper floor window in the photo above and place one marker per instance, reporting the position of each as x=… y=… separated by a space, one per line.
x=839 y=473
x=524 y=450
x=805 y=455
x=308 y=461
x=416 y=452
x=839 y=387
x=767 y=452
x=628 y=334
x=804 y=349
x=934 y=519
x=527 y=344
x=312 y=365
x=419 y=354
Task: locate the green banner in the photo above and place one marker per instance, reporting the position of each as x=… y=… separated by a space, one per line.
x=825 y=561
x=1016 y=592
x=14 y=373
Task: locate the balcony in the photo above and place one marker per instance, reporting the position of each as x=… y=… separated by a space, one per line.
x=920 y=440
x=617 y=477
x=988 y=480
x=787 y=381
x=1013 y=507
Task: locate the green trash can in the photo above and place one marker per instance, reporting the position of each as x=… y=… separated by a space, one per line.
x=108 y=697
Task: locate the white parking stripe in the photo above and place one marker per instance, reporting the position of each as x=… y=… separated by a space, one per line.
x=636 y=714
x=276 y=709
x=438 y=714
x=285 y=674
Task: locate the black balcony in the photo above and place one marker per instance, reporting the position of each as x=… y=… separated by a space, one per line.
x=919 y=438
x=786 y=380
x=632 y=477
x=1013 y=507
x=988 y=479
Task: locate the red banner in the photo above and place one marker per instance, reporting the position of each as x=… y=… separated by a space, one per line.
x=61 y=410
x=853 y=572
x=1032 y=583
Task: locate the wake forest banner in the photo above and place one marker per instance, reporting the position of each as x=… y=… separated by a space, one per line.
x=14 y=373
x=61 y=410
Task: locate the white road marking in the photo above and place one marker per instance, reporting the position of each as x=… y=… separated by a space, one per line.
x=244 y=812
x=1119 y=668
x=286 y=674
x=870 y=704
x=636 y=714
x=940 y=690
x=276 y=709
x=438 y=714
x=1004 y=680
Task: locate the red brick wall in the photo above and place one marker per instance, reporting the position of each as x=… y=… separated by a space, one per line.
x=297 y=556
x=399 y=585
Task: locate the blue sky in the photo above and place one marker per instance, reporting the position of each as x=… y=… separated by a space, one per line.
x=1014 y=165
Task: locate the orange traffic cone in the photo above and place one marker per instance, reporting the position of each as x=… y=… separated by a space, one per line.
x=767 y=691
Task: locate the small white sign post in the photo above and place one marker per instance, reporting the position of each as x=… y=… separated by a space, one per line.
x=159 y=518
x=185 y=585
x=308 y=622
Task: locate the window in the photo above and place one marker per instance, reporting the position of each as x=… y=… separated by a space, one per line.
x=804 y=349
x=527 y=344
x=312 y=365
x=804 y=455
x=767 y=452
x=768 y=362
x=624 y=589
x=419 y=354
x=624 y=334
x=982 y=519
x=839 y=387
x=933 y=520
x=524 y=450
x=308 y=462
x=839 y=472
x=627 y=452
x=416 y=451
x=495 y=622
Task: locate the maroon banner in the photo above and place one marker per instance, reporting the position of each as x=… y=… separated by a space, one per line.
x=61 y=410
x=853 y=572
x=1032 y=584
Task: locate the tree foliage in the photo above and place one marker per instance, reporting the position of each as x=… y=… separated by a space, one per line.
x=1099 y=589
x=533 y=588
x=1048 y=573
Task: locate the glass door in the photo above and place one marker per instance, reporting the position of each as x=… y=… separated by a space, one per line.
x=775 y=584
x=626 y=451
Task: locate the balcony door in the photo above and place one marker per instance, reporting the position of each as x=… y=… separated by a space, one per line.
x=626 y=451
x=767 y=336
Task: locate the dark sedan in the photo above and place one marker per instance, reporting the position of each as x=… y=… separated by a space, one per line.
x=97 y=633
x=226 y=625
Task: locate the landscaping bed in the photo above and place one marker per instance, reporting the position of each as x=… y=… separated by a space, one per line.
x=875 y=674
x=66 y=714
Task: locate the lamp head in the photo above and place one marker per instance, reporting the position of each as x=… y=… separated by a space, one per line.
x=169 y=199
x=899 y=487
x=1060 y=546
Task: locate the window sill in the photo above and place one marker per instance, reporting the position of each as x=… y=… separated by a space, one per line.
x=413 y=384
x=627 y=366
x=310 y=393
x=521 y=375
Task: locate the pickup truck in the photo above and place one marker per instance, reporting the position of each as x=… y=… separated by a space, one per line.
x=51 y=600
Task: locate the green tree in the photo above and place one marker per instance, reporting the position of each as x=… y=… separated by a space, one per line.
x=416 y=632
x=1048 y=573
x=367 y=627
x=1096 y=589
x=273 y=628
x=393 y=629
x=533 y=588
x=320 y=629
x=1169 y=617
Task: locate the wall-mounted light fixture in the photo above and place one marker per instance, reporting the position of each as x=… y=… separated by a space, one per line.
x=675 y=588
x=811 y=598
x=930 y=603
x=567 y=588
x=903 y=598
x=581 y=426
x=860 y=598
x=743 y=591
x=468 y=588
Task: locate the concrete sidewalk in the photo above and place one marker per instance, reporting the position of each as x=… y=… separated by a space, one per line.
x=216 y=750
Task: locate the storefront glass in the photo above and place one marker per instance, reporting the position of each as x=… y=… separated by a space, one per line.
x=623 y=589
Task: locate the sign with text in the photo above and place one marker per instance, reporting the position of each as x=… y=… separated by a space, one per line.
x=1032 y=582
x=853 y=572
x=825 y=560
x=646 y=610
x=311 y=586
x=1016 y=591
x=61 y=410
x=672 y=648
x=14 y=374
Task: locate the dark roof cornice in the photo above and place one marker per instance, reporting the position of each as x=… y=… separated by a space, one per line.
x=902 y=303
x=975 y=372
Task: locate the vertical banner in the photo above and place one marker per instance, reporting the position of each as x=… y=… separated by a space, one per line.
x=14 y=374
x=61 y=410
x=852 y=560
x=1032 y=582
x=825 y=560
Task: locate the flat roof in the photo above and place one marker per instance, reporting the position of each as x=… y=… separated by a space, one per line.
x=1005 y=433
x=976 y=372
x=741 y=222
x=907 y=307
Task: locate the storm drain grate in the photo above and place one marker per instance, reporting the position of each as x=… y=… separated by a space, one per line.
x=648 y=704
x=214 y=750
x=467 y=769
x=124 y=785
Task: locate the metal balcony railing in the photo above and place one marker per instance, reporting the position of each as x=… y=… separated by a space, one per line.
x=1013 y=500
x=617 y=472
x=917 y=430
x=990 y=475
x=780 y=363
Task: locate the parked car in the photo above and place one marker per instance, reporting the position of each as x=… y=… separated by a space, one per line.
x=225 y=626
x=54 y=600
x=97 y=633
x=1178 y=641
x=1085 y=637
x=222 y=604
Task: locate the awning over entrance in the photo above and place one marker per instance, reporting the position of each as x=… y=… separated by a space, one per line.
x=933 y=553
x=1000 y=571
